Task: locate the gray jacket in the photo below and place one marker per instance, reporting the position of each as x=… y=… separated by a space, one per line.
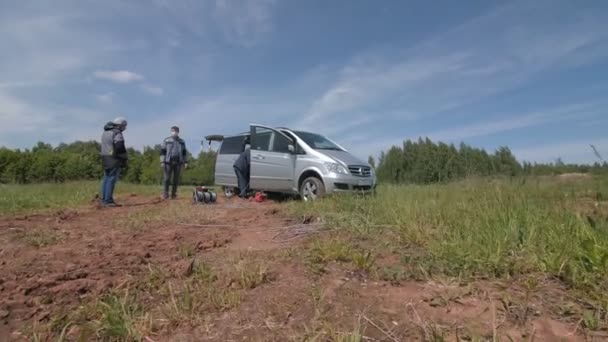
x=173 y=151
x=113 y=150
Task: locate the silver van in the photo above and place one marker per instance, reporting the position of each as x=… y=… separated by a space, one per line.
x=292 y=162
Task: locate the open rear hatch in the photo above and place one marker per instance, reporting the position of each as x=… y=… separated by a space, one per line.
x=214 y=137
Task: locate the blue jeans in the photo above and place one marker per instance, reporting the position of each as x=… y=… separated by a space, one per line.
x=110 y=176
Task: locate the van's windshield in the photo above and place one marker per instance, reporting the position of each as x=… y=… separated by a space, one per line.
x=317 y=141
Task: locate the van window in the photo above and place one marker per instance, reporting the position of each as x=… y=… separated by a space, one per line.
x=317 y=141
x=232 y=145
x=280 y=143
x=299 y=149
x=261 y=139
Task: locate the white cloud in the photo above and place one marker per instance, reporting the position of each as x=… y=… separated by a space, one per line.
x=487 y=55
x=511 y=122
x=365 y=83
x=244 y=22
x=25 y=123
x=152 y=90
x=120 y=76
x=366 y=142
x=105 y=98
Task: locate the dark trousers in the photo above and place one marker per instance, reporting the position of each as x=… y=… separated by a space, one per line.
x=110 y=176
x=243 y=181
x=171 y=176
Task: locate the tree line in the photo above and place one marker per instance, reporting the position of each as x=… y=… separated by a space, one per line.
x=422 y=162
x=425 y=161
x=81 y=161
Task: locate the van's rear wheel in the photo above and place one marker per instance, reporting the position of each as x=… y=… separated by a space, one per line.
x=312 y=188
x=229 y=191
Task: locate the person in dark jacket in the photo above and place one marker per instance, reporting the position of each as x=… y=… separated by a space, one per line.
x=242 y=167
x=113 y=158
x=173 y=157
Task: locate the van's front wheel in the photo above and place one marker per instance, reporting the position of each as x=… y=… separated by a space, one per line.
x=312 y=188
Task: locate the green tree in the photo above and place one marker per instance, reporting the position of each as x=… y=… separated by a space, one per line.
x=371 y=161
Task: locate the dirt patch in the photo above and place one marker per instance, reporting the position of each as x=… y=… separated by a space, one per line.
x=247 y=262
x=89 y=253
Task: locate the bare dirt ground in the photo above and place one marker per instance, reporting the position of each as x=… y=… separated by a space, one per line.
x=55 y=265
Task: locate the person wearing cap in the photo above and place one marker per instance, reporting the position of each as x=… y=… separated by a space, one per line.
x=173 y=156
x=113 y=158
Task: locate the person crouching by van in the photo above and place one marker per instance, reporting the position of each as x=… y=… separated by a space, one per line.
x=173 y=157
x=113 y=158
x=242 y=167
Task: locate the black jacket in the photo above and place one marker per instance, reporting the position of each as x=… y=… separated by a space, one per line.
x=243 y=161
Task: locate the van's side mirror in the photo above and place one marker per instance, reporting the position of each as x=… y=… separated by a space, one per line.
x=291 y=148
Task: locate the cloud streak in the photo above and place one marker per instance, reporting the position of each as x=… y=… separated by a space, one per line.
x=367 y=142
x=59 y=123
x=105 y=98
x=119 y=76
x=480 y=58
x=152 y=90
x=244 y=23
x=573 y=112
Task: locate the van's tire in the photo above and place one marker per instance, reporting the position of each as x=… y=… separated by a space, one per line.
x=229 y=191
x=311 y=189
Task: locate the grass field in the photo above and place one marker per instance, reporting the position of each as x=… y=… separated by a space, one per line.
x=22 y=199
x=504 y=254
x=488 y=229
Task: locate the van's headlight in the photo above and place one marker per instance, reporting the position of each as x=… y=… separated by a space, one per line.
x=336 y=168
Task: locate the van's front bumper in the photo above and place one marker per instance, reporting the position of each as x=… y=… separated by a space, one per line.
x=336 y=183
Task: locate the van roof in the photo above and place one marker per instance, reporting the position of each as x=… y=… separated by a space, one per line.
x=222 y=137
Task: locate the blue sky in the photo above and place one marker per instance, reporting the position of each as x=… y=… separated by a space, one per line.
x=532 y=75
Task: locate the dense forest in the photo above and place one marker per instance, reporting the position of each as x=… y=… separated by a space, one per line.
x=422 y=161
x=81 y=161
x=425 y=161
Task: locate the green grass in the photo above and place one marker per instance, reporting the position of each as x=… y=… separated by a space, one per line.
x=481 y=228
x=324 y=251
x=25 y=199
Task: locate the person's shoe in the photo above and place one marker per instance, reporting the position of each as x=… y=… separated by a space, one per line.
x=111 y=205
x=173 y=197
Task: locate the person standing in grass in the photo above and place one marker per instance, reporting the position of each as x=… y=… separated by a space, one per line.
x=173 y=157
x=113 y=158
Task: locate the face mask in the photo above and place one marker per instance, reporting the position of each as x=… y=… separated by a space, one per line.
x=174 y=133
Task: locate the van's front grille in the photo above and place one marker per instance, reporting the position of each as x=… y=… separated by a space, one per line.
x=360 y=171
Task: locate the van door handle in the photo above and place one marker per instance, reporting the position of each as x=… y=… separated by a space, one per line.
x=258 y=156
